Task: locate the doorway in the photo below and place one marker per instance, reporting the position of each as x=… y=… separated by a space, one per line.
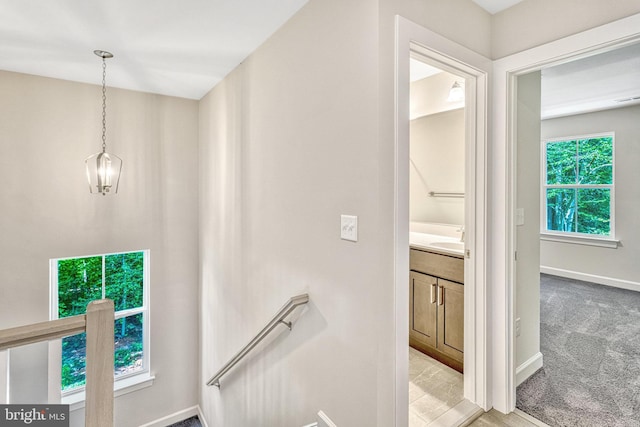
x=578 y=117
x=418 y=42
x=504 y=205
x=436 y=238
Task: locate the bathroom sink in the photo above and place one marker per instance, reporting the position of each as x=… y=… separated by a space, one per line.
x=455 y=246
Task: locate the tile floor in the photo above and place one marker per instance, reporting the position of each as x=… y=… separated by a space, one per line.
x=435 y=388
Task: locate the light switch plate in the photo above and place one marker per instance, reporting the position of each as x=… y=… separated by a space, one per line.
x=349 y=227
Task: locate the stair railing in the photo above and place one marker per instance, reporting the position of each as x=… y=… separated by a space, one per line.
x=279 y=318
x=98 y=324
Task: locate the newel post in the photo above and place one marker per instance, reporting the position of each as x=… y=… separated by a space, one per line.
x=99 y=372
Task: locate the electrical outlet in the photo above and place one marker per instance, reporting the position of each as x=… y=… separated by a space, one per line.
x=518 y=327
x=349 y=227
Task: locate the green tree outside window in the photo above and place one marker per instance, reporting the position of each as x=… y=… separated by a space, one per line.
x=119 y=277
x=578 y=185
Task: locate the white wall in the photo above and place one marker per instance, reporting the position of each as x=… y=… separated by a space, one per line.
x=535 y=22
x=48 y=127
x=437 y=164
x=619 y=264
x=527 y=291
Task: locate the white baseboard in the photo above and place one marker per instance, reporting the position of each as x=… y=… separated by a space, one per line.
x=528 y=368
x=177 y=416
x=602 y=280
x=203 y=421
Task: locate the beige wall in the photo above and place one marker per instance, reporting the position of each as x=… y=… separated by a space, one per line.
x=535 y=22
x=48 y=127
x=437 y=164
x=528 y=234
x=461 y=21
x=287 y=145
x=430 y=95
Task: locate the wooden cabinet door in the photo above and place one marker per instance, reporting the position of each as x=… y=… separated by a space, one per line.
x=422 y=308
x=451 y=319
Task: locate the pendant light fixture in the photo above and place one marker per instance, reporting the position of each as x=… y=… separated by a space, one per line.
x=103 y=169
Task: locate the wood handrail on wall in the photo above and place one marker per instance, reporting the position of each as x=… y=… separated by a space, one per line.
x=98 y=323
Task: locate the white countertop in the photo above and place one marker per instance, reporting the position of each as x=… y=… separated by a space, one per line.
x=436 y=242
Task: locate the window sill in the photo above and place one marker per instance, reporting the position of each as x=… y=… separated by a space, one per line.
x=123 y=386
x=602 y=242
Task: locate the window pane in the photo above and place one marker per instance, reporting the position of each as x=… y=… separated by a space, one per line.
x=596 y=161
x=561 y=162
x=561 y=209
x=128 y=344
x=124 y=279
x=593 y=211
x=74 y=355
x=79 y=283
x=128 y=352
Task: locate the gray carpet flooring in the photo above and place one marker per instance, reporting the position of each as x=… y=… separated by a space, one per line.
x=590 y=342
x=189 y=422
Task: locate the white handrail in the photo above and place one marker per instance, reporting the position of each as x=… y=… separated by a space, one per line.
x=98 y=323
x=279 y=317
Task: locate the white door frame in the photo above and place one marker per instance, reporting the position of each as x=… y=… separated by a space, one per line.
x=412 y=39
x=503 y=174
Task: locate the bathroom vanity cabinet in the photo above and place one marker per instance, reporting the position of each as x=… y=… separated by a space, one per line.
x=436 y=306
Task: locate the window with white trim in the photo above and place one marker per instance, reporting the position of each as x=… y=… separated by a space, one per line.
x=578 y=186
x=121 y=277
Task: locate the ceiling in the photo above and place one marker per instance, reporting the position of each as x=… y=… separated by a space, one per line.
x=607 y=80
x=180 y=48
x=599 y=82
x=185 y=48
x=418 y=70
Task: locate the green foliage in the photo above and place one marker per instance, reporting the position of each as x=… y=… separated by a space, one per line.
x=74 y=361
x=127 y=356
x=80 y=281
x=124 y=279
x=575 y=163
x=128 y=334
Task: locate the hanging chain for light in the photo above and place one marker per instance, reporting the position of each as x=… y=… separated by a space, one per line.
x=103 y=169
x=104 y=104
